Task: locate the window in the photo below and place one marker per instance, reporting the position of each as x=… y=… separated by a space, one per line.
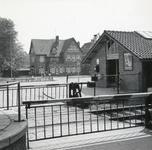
x=73 y=70
x=68 y=69
x=52 y=70
x=78 y=57
x=61 y=69
x=68 y=58
x=41 y=59
x=32 y=59
x=73 y=58
x=97 y=61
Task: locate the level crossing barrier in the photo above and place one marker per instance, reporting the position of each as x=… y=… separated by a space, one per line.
x=73 y=116
x=39 y=92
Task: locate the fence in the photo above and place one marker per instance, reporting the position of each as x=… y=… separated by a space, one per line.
x=73 y=116
x=6 y=88
x=38 y=92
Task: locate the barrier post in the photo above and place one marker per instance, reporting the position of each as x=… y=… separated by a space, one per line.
x=94 y=88
x=7 y=97
x=19 y=105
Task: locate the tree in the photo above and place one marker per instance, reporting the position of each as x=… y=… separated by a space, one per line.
x=8 y=37
x=20 y=57
x=11 y=51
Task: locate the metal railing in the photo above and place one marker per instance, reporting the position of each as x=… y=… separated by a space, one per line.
x=6 y=102
x=36 y=92
x=73 y=116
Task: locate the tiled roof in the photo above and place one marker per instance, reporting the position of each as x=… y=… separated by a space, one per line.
x=135 y=43
x=43 y=47
x=66 y=44
x=86 y=46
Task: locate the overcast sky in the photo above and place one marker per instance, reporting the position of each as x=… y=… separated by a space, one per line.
x=81 y=19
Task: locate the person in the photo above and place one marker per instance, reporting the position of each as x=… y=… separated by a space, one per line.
x=50 y=77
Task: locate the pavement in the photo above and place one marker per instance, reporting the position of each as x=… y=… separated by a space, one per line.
x=136 y=138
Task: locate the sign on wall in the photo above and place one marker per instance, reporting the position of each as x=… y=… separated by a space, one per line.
x=127 y=61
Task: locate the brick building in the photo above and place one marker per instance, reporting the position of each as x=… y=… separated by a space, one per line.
x=128 y=54
x=58 y=57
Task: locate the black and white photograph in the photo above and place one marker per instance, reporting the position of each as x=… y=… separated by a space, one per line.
x=75 y=75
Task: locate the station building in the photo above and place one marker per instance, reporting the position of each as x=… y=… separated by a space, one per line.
x=126 y=56
x=55 y=56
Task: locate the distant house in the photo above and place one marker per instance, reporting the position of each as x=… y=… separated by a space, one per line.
x=87 y=46
x=128 y=54
x=58 y=57
x=85 y=49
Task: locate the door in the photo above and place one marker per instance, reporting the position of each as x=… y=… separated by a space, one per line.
x=112 y=71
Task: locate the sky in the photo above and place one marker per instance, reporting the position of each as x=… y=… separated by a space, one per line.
x=81 y=19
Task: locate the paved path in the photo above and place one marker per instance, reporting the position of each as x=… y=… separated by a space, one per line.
x=126 y=139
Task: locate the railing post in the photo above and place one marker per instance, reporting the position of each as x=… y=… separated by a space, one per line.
x=19 y=107
x=7 y=96
x=94 y=88
x=67 y=87
x=147 y=112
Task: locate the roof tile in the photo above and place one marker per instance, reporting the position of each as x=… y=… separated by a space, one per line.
x=135 y=43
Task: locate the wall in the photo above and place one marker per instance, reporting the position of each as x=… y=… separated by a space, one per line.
x=131 y=80
x=20 y=144
x=101 y=54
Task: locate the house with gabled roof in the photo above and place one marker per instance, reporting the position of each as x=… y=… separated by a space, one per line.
x=55 y=56
x=127 y=55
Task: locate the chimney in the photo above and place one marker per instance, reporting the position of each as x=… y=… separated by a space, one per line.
x=57 y=41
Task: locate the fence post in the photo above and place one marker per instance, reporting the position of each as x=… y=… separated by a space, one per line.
x=94 y=88
x=7 y=96
x=67 y=86
x=147 y=112
x=19 y=107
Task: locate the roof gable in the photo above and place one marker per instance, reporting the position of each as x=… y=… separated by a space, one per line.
x=138 y=45
x=132 y=41
x=42 y=47
x=67 y=44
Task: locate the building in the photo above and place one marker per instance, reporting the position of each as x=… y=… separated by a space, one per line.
x=85 y=49
x=122 y=55
x=58 y=57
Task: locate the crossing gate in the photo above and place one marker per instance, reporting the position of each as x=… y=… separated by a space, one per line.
x=73 y=116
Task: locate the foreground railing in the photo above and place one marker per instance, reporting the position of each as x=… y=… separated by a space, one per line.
x=73 y=116
x=6 y=88
x=37 y=92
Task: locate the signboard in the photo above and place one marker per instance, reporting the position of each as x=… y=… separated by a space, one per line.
x=127 y=61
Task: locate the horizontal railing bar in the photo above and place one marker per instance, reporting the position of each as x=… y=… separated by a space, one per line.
x=115 y=109
x=10 y=83
x=127 y=117
x=44 y=85
x=56 y=124
x=91 y=98
x=79 y=134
